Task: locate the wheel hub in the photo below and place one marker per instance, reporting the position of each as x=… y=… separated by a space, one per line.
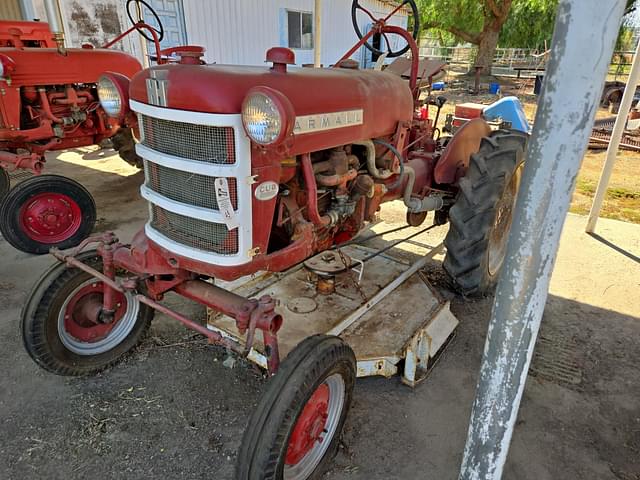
x=502 y=223
x=310 y=425
x=82 y=314
x=50 y=217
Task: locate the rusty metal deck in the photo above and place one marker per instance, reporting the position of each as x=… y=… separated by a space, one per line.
x=393 y=315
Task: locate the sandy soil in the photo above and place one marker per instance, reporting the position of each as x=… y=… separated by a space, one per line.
x=172 y=410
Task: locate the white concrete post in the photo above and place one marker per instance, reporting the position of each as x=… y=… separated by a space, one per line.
x=317 y=34
x=567 y=107
x=614 y=143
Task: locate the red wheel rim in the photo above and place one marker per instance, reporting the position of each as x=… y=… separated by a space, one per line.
x=81 y=314
x=50 y=217
x=310 y=426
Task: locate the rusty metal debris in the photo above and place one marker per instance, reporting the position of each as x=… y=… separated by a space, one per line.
x=601 y=135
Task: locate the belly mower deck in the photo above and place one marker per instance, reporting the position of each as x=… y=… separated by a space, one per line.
x=385 y=309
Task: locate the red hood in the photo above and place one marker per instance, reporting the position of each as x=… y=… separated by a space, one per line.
x=384 y=98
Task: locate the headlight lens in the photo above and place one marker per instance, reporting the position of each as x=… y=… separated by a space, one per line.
x=262 y=119
x=109 y=96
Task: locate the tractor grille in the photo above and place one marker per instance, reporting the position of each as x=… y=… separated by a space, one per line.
x=186 y=187
x=193 y=232
x=204 y=143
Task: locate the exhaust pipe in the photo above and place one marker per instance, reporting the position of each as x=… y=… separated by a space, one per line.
x=55 y=23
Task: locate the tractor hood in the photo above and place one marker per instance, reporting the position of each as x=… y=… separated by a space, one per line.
x=47 y=66
x=380 y=99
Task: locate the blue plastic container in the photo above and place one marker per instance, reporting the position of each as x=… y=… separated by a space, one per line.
x=494 y=88
x=438 y=86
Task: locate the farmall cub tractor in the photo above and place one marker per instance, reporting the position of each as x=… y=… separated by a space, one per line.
x=49 y=101
x=252 y=169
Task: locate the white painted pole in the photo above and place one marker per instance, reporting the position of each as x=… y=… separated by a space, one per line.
x=567 y=108
x=614 y=143
x=317 y=34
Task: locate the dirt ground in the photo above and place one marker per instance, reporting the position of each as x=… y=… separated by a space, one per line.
x=172 y=410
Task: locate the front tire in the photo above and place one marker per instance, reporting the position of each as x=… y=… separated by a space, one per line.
x=47 y=211
x=481 y=217
x=5 y=183
x=60 y=327
x=294 y=432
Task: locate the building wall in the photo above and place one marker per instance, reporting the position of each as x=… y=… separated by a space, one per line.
x=241 y=31
x=10 y=10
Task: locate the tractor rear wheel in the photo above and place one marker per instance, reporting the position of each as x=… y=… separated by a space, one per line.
x=47 y=211
x=124 y=143
x=295 y=431
x=481 y=217
x=61 y=326
x=5 y=183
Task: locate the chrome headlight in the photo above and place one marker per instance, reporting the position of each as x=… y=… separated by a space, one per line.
x=267 y=115
x=113 y=93
x=109 y=96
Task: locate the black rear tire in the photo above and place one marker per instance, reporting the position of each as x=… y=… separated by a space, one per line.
x=68 y=193
x=124 y=143
x=317 y=361
x=48 y=342
x=481 y=216
x=5 y=183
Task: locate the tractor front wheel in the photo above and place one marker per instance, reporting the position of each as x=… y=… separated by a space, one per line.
x=481 y=217
x=5 y=183
x=47 y=211
x=294 y=432
x=63 y=329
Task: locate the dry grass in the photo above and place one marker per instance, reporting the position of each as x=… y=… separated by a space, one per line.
x=622 y=201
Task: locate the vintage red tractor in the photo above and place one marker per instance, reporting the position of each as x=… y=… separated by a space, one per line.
x=259 y=168
x=50 y=102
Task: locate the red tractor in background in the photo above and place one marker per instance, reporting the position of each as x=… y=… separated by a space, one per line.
x=253 y=169
x=50 y=102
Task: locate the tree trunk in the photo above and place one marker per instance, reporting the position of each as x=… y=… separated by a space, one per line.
x=487 y=49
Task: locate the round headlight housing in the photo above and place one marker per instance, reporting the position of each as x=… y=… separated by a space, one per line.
x=113 y=93
x=267 y=116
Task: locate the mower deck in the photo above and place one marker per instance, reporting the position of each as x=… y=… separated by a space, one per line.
x=393 y=320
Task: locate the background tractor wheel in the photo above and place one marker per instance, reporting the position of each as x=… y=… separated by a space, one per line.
x=47 y=211
x=481 y=216
x=124 y=143
x=5 y=183
x=61 y=328
x=295 y=430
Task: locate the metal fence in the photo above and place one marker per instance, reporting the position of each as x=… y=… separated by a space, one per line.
x=514 y=61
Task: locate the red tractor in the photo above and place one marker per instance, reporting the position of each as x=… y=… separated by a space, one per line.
x=50 y=102
x=253 y=169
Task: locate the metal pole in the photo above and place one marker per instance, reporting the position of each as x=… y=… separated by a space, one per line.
x=143 y=42
x=614 y=143
x=562 y=128
x=317 y=34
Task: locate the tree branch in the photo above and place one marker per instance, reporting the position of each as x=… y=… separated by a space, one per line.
x=466 y=36
x=493 y=6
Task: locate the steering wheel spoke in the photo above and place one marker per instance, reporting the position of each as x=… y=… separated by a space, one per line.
x=379 y=23
x=139 y=5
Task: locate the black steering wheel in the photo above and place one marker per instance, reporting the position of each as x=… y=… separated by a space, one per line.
x=139 y=4
x=355 y=6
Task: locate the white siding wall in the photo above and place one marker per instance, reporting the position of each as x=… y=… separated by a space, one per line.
x=241 y=31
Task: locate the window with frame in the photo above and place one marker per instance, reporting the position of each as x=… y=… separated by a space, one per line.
x=300 y=29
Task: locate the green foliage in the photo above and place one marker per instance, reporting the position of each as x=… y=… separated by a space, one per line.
x=530 y=24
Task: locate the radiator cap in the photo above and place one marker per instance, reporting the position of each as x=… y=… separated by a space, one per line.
x=281 y=57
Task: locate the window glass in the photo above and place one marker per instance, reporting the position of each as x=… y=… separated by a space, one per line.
x=295 y=34
x=307 y=31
